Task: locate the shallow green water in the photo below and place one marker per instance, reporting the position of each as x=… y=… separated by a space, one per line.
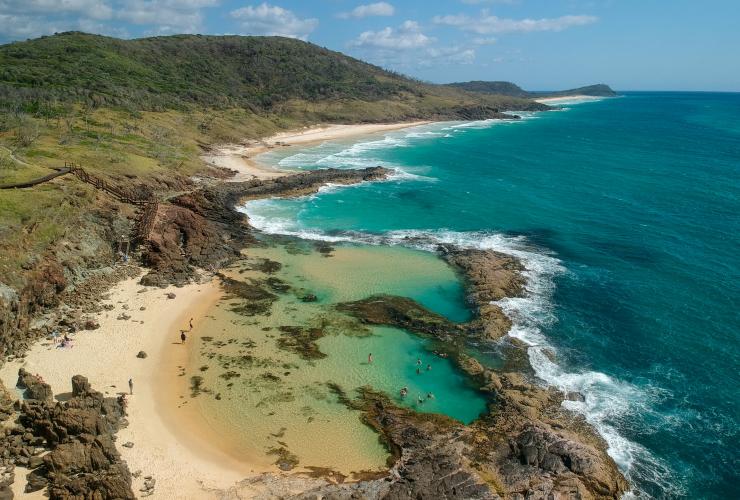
x=266 y=397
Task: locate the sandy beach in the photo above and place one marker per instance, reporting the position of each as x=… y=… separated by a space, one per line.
x=183 y=468
x=569 y=98
x=241 y=157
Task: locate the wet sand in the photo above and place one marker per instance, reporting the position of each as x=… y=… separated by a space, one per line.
x=242 y=157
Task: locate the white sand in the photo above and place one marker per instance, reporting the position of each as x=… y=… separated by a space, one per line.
x=570 y=98
x=107 y=356
x=241 y=157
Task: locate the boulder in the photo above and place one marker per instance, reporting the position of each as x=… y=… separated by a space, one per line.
x=80 y=385
x=35 y=387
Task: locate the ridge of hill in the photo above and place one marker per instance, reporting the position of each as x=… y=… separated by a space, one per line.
x=513 y=90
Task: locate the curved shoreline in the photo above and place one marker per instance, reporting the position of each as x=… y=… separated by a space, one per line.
x=243 y=160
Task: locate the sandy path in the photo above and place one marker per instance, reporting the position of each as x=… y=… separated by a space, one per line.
x=241 y=157
x=107 y=356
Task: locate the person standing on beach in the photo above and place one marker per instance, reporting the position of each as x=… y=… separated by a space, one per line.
x=191 y=324
x=370 y=359
x=131 y=386
x=183 y=338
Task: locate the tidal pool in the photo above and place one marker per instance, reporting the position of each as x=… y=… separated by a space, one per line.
x=260 y=369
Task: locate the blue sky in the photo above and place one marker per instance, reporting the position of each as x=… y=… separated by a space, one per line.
x=539 y=44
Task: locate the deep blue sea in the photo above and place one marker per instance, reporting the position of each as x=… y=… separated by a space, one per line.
x=626 y=212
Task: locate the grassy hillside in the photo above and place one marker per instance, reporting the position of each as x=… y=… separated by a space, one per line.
x=186 y=71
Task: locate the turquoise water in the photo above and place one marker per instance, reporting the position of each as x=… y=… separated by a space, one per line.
x=626 y=214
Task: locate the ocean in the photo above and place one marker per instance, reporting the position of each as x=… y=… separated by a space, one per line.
x=626 y=213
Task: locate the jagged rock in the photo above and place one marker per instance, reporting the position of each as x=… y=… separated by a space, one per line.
x=575 y=396
x=171 y=295
x=80 y=385
x=123 y=317
x=35 y=481
x=35 y=388
x=141 y=354
x=83 y=462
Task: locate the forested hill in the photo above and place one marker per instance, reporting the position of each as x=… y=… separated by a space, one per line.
x=513 y=90
x=183 y=71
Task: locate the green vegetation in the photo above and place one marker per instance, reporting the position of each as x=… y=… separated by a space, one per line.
x=511 y=89
x=193 y=71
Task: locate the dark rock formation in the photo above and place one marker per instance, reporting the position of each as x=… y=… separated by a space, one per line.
x=202 y=229
x=82 y=462
x=489 y=276
x=402 y=312
x=527 y=446
x=35 y=387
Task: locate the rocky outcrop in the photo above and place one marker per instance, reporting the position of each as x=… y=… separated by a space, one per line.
x=405 y=313
x=489 y=276
x=506 y=455
x=526 y=446
x=201 y=229
x=35 y=387
x=79 y=433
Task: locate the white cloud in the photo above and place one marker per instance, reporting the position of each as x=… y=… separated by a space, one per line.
x=266 y=19
x=95 y=9
x=406 y=36
x=454 y=55
x=372 y=9
x=486 y=24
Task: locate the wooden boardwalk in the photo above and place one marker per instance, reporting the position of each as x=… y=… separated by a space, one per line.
x=34 y=182
x=148 y=207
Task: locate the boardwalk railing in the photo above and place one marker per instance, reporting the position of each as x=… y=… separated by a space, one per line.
x=149 y=206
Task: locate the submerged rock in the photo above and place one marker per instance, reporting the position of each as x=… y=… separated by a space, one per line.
x=301 y=341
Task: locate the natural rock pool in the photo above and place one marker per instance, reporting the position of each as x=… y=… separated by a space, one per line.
x=263 y=361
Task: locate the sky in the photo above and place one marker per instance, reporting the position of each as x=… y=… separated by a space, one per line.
x=538 y=44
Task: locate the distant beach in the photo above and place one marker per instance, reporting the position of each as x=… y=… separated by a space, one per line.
x=240 y=157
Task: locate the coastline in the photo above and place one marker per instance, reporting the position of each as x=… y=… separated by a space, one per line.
x=172 y=454
x=108 y=356
x=241 y=158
